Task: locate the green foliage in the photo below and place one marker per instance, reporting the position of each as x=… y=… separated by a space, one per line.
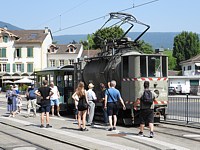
x=145 y=47
x=89 y=44
x=106 y=34
x=23 y=87
x=171 y=59
x=186 y=45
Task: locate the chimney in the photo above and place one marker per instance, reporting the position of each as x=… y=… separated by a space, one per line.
x=46 y=30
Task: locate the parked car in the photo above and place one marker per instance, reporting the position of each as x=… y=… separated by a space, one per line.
x=171 y=91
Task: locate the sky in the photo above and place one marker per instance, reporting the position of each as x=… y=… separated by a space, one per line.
x=61 y=15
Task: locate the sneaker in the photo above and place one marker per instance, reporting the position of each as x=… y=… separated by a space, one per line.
x=85 y=129
x=41 y=126
x=114 y=128
x=58 y=115
x=52 y=115
x=151 y=134
x=75 y=122
x=48 y=126
x=27 y=116
x=88 y=124
x=110 y=129
x=140 y=134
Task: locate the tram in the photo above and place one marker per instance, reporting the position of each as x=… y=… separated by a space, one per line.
x=120 y=60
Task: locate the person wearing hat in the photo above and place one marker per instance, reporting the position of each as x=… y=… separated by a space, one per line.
x=91 y=99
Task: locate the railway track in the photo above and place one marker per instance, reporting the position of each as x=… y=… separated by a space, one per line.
x=39 y=135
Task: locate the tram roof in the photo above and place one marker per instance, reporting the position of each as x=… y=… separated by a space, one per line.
x=66 y=67
x=138 y=53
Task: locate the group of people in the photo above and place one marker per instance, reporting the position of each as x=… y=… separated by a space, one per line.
x=49 y=98
x=109 y=98
x=14 y=101
x=85 y=104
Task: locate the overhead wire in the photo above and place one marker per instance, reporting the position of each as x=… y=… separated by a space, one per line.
x=103 y=16
x=64 y=12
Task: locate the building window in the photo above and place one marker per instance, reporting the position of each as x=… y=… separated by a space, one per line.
x=71 y=61
x=18 y=67
x=18 y=53
x=183 y=68
x=2 y=52
x=30 y=52
x=4 y=68
x=52 y=63
x=62 y=62
x=5 y=39
x=71 y=50
x=189 y=68
x=30 y=67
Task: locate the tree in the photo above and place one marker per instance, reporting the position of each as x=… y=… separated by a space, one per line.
x=145 y=47
x=106 y=34
x=89 y=44
x=186 y=45
x=171 y=59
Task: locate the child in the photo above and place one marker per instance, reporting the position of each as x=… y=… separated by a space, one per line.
x=19 y=103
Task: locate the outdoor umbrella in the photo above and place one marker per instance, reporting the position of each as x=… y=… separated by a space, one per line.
x=7 y=81
x=24 y=80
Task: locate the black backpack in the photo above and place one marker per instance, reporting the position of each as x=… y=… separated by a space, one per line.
x=147 y=97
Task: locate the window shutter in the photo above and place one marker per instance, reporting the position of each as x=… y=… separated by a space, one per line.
x=15 y=53
x=49 y=63
x=3 y=52
x=20 y=53
x=65 y=62
x=22 y=69
x=29 y=67
x=7 y=67
x=29 y=52
x=57 y=63
x=13 y=68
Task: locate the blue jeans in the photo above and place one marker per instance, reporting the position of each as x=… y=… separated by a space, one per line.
x=105 y=115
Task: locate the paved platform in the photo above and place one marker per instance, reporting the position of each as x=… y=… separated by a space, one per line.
x=98 y=136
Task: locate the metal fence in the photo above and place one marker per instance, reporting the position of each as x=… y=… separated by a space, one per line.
x=184 y=108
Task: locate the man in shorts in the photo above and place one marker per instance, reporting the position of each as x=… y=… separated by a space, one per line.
x=112 y=96
x=45 y=93
x=55 y=99
x=146 y=111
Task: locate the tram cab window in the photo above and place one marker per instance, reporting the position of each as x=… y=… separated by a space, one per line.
x=68 y=80
x=143 y=68
x=154 y=67
x=125 y=67
x=164 y=66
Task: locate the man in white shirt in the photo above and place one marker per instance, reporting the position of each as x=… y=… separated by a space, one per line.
x=91 y=98
x=55 y=99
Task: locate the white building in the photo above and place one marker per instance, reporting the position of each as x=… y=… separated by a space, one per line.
x=61 y=55
x=22 y=52
x=190 y=79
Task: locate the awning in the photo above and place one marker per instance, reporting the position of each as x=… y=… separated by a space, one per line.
x=197 y=64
